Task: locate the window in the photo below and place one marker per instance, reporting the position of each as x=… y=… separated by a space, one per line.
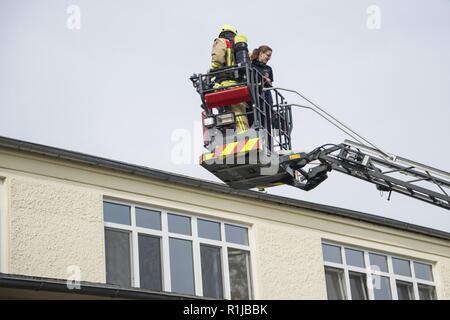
x=211 y=271
x=148 y=219
x=423 y=271
x=150 y=262
x=167 y=251
x=179 y=224
x=116 y=213
x=331 y=253
x=426 y=292
x=378 y=262
x=209 y=230
x=405 y=290
x=236 y=234
x=239 y=266
x=335 y=283
x=118 y=258
x=355 y=258
x=401 y=267
x=381 y=287
x=357 y=274
x=358 y=285
x=181 y=266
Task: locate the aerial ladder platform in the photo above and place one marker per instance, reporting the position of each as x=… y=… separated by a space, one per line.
x=263 y=157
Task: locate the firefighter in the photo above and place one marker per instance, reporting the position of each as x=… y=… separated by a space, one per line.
x=222 y=56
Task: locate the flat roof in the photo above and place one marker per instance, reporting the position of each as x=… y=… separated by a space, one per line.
x=183 y=180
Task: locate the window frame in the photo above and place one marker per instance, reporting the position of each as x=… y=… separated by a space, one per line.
x=165 y=235
x=370 y=272
x=131 y=252
x=407 y=283
x=342 y=285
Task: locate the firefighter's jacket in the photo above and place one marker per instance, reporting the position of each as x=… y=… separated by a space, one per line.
x=222 y=54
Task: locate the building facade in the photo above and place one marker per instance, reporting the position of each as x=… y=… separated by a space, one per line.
x=72 y=217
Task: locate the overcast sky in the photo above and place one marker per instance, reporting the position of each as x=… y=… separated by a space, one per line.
x=118 y=87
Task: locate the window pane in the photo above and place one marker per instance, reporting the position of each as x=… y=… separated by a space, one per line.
x=179 y=224
x=116 y=213
x=236 y=234
x=150 y=262
x=181 y=266
x=423 y=271
x=381 y=288
x=208 y=229
x=148 y=218
x=239 y=268
x=426 y=292
x=354 y=257
x=331 y=253
x=335 y=283
x=211 y=272
x=401 y=267
x=358 y=286
x=378 y=262
x=118 y=259
x=405 y=290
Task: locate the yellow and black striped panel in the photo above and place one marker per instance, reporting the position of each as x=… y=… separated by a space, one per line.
x=237 y=148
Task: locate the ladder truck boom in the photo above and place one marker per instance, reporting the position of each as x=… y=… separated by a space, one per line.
x=402 y=175
x=263 y=156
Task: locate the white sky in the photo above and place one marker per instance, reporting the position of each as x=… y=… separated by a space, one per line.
x=119 y=88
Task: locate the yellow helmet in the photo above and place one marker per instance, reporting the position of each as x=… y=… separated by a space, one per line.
x=228 y=27
x=240 y=38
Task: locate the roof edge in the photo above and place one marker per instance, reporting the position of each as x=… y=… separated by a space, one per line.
x=109 y=291
x=188 y=181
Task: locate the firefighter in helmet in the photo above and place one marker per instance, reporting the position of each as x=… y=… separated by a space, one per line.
x=222 y=56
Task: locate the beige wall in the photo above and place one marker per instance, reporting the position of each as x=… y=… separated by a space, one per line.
x=54 y=220
x=54 y=226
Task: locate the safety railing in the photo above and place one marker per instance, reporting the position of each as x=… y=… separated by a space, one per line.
x=270 y=116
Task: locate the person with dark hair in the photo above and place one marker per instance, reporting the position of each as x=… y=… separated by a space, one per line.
x=260 y=57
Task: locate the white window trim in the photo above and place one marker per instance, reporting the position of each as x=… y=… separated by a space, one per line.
x=198 y=285
x=369 y=272
x=134 y=251
x=225 y=271
x=165 y=256
x=165 y=235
